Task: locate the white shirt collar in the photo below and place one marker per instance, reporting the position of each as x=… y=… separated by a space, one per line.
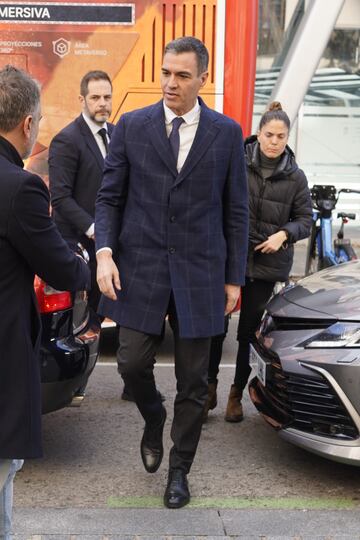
x=189 y=118
x=94 y=127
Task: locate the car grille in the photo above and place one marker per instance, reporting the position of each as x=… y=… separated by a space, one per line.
x=306 y=403
x=295 y=323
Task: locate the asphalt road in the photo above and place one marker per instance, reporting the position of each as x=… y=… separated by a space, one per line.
x=92 y=454
x=246 y=483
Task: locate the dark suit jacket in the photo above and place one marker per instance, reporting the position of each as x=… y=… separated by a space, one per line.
x=183 y=233
x=75 y=173
x=29 y=244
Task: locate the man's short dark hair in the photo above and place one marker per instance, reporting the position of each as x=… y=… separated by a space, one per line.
x=93 y=76
x=190 y=44
x=19 y=97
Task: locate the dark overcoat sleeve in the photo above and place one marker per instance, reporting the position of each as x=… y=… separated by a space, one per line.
x=111 y=197
x=35 y=236
x=64 y=157
x=236 y=212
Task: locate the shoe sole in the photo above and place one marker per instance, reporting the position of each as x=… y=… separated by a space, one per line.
x=234 y=420
x=175 y=506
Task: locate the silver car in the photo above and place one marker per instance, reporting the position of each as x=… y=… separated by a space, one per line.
x=307 y=358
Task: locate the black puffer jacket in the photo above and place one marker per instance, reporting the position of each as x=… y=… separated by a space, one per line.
x=280 y=202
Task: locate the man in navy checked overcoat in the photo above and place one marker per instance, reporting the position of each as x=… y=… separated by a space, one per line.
x=171 y=236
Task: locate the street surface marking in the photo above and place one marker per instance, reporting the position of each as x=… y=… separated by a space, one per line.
x=288 y=503
x=160 y=364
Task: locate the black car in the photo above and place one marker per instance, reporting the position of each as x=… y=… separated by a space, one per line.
x=69 y=345
x=307 y=357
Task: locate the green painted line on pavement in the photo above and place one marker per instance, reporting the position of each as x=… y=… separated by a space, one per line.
x=288 y=503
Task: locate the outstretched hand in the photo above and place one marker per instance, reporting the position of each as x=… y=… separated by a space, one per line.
x=107 y=275
x=273 y=243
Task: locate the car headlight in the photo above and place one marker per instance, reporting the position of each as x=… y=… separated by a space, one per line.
x=267 y=324
x=338 y=335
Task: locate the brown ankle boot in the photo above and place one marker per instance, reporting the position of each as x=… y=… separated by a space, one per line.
x=234 y=410
x=211 y=400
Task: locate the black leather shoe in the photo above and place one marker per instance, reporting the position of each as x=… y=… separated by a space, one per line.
x=151 y=446
x=177 y=490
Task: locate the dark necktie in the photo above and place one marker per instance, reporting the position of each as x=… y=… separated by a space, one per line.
x=103 y=134
x=174 y=137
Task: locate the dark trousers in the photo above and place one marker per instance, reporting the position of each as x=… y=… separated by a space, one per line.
x=135 y=358
x=254 y=296
x=216 y=348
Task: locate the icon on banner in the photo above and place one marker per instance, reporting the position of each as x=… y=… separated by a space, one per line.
x=61 y=47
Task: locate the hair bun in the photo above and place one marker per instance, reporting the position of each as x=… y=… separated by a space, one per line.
x=275 y=106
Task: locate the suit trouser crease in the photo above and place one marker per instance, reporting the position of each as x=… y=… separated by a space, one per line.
x=136 y=355
x=254 y=296
x=8 y=469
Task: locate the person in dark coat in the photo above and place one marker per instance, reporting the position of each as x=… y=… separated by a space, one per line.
x=76 y=162
x=280 y=215
x=29 y=244
x=172 y=212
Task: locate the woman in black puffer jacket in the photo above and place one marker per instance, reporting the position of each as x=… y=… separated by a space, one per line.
x=280 y=215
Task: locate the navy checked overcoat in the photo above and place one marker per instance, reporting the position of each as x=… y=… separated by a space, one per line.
x=183 y=233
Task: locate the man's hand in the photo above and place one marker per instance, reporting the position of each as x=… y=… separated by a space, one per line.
x=107 y=275
x=273 y=243
x=232 y=293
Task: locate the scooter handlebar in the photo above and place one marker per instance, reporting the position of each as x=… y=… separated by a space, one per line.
x=346 y=190
x=344 y=215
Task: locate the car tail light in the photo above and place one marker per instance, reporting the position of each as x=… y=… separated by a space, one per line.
x=49 y=299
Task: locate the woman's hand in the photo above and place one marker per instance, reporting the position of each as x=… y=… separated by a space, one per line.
x=273 y=243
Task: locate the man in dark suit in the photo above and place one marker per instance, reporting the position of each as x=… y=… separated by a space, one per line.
x=76 y=161
x=29 y=244
x=172 y=212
